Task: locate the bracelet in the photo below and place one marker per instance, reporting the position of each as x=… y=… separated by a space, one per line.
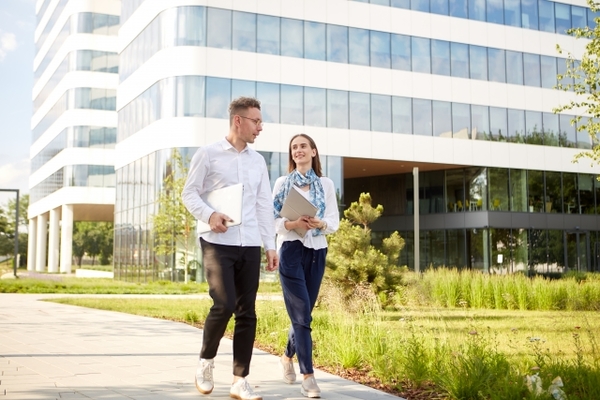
x=324 y=226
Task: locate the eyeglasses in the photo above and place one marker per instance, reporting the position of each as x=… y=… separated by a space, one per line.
x=256 y=121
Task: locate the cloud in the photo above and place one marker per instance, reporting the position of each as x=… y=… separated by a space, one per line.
x=8 y=43
x=15 y=176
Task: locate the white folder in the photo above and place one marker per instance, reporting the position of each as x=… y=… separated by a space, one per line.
x=295 y=206
x=227 y=200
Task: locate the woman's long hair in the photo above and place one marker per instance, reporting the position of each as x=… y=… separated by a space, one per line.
x=316 y=160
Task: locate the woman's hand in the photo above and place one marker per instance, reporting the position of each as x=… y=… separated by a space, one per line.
x=303 y=223
x=316 y=223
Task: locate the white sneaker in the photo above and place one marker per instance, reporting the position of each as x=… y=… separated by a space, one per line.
x=310 y=388
x=242 y=390
x=204 y=376
x=289 y=375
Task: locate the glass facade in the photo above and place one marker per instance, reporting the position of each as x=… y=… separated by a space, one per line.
x=240 y=31
x=200 y=96
x=514 y=244
x=75 y=176
x=138 y=186
x=542 y=15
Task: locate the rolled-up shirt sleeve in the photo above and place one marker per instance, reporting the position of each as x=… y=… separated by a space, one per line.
x=194 y=187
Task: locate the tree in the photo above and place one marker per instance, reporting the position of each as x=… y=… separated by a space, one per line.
x=94 y=239
x=173 y=223
x=583 y=78
x=7 y=228
x=353 y=261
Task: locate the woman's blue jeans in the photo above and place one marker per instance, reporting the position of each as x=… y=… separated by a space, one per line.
x=301 y=271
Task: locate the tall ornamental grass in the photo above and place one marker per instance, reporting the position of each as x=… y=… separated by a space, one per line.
x=465 y=288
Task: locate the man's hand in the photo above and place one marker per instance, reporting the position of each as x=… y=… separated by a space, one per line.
x=217 y=222
x=272 y=260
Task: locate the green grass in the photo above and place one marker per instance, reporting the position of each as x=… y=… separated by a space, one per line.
x=463 y=353
x=55 y=283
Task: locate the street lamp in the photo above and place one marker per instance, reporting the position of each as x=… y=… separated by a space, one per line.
x=16 y=228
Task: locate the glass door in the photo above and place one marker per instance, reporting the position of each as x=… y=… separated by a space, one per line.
x=577 y=245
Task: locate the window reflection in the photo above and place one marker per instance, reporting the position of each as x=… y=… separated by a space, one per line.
x=292 y=38
x=337 y=109
x=218 y=24
x=337 y=43
x=358 y=49
x=267 y=34
x=314 y=40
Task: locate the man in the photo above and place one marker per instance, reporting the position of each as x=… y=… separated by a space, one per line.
x=231 y=255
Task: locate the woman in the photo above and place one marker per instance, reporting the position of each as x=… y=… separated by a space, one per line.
x=302 y=258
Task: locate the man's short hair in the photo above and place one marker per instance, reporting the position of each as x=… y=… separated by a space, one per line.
x=242 y=104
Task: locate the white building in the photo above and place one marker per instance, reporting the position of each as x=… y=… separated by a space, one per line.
x=74 y=125
x=458 y=90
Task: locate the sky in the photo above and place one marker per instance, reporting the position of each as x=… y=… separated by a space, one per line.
x=17 y=25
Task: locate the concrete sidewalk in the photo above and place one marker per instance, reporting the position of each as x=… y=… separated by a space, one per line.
x=55 y=351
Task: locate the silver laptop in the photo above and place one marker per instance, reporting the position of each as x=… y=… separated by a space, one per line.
x=297 y=205
x=227 y=200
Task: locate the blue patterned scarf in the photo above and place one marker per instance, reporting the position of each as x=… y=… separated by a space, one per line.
x=317 y=194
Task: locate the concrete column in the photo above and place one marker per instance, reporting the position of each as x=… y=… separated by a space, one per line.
x=66 y=239
x=31 y=244
x=40 y=248
x=53 y=240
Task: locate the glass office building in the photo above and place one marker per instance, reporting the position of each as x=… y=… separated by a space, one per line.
x=460 y=92
x=74 y=125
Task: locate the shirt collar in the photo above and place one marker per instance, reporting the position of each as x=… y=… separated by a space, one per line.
x=228 y=146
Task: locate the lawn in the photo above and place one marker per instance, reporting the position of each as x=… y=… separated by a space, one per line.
x=406 y=352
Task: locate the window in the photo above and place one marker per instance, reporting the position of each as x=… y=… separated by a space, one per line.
x=360 y=111
x=422 y=117
x=380 y=49
x=531 y=64
x=459 y=60
x=514 y=67
x=314 y=40
x=267 y=34
x=498 y=124
x=292 y=37
x=358 y=46
x=563 y=17
x=546 y=15
x=461 y=121
x=268 y=93
x=478 y=62
x=516 y=126
x=291 y=105
x=477 y=10
x=458 y=8
x=218 y=28
x=244 y=31
x=217 y=96
x=421 y=55
x=529 y=14
x=337 y=109
x=401 y=115
x=495 y=11
x=512 y=12
x=315 y=107
x=401 y=58
x=337 y=43
x=497 y=63
x=533 y=127
x=381 y=113
x=480 y=122
x=440 y=57
x=548 y=68
x=442 y=119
